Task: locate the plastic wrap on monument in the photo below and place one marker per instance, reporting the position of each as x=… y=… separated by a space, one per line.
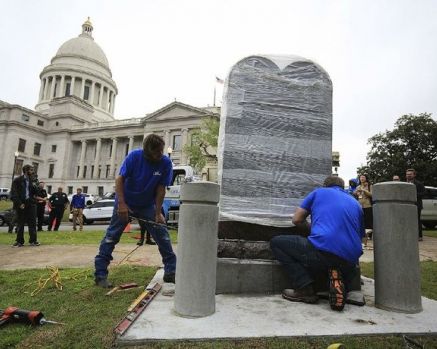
x=275 y=141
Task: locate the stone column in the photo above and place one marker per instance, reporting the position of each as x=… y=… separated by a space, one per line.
x=73 y=79
x=107 y=101
x=61 y=89
x=197 y=250
x=101 y=96
x=112 y=103
x=114 y=151
x=52 y=88
x=41 y=90
x=396 y=249
x=184 y=160
x=82 y=159
x=93 y=87
x=97 y=158
x=166 y=140
x=46 y=87
x=82 y=88
x=131 y=143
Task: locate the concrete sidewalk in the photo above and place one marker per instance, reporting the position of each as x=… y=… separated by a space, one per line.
x=245 y=316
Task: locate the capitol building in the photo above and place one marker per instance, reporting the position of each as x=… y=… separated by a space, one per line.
x=72 y=138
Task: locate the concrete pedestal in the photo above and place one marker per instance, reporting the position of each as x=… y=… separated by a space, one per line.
x=396 y=250
x=197 y=250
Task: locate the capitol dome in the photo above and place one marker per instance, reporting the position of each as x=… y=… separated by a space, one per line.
x=80 y=68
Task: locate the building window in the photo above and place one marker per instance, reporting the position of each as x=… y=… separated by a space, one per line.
x=107 y=171
x=84 y=172
x=40 y=123
x=110 y=150
x=57 y=123
x=177 y=142
x=86 y=93
x=25 y=117
x=49 y=189
x=21 y=145
x=67 y=89
x=92 y=171
x=18 y=168
x=37 y=149
x=51 y=170
x=70 y=189
x=54 y=90
x=35 y=167
x=85 y=189
x=53 y=148
x=77 y=173
x=100 y=191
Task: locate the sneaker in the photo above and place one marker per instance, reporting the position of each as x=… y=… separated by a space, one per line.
x=104 y=283
x=140 y=243
x=337 y=293
x=305 y=295
x=17 y=244
x=36 y=243
x=169 y=277
x=150 y=242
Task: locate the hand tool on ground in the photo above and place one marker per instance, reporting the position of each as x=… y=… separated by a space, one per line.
x=122 y=287
x=137 y=308
x=33 y=317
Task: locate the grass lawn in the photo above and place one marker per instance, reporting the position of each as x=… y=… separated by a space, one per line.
x=90 y=316
x=430 y=233
x=76 y=237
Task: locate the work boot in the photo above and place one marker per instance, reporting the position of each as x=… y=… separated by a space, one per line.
x=337 y=290
x=169 y=277
x=17 y=244
x=104 y=283
x=305 y=294
x=140 y=242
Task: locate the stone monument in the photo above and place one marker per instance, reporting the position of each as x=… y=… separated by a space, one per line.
x=275 y=146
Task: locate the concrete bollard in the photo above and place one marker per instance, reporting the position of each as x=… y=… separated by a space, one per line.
x=396 y=249
x=197 y=250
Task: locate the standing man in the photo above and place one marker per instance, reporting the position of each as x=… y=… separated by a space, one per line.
x=333 y=246
x=140 y=189
x=23 y=194
x=76 y=207
x=410 y=175
x=58 y=202
x=41 y=204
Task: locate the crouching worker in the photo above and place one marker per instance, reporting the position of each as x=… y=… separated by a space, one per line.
x=333 y=246
x=140 y=189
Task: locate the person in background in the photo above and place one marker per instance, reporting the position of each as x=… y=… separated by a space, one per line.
x=410 y=176
x=41 y=205
x=396 y=178
x=333 y=246
x=76 y=208
x=364 y=195
x=23 y=193
x=58 y=203
x=145 y=232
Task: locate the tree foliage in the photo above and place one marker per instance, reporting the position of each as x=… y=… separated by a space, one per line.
x=203 y=143
x=411 y=144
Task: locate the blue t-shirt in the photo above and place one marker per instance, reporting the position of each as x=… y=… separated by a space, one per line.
x=141 y=178
x=78 y=201
x=336 y=222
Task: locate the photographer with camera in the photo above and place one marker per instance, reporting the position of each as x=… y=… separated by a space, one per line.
x=23 y=196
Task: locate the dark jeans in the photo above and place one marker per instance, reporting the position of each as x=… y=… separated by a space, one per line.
x=56 y=212
x=26 y=215
x=113 y=234
x=144 y=231
x=302 y=260
x=40 y=215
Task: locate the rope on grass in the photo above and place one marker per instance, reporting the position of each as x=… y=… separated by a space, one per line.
x=125 y=257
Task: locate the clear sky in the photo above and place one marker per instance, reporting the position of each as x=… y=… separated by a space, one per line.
x=381 y=55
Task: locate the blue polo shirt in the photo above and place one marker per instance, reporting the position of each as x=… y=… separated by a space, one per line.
x=336 y=222
x=141 y=178
x=78 y=201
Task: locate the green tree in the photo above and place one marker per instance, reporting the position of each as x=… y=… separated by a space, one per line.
x=203 y=143
x=411 y=144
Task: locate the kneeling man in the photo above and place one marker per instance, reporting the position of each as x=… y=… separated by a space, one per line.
x=334 y=244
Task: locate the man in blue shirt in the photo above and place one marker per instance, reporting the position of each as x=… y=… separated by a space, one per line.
x=140 y=190
x=76 y=207
x=334 y=244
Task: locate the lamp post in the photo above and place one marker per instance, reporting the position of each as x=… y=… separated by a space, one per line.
x=16 y=154
x=169 y=151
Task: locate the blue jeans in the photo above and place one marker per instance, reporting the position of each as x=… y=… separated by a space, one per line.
x=113 y=234
x=302 y=260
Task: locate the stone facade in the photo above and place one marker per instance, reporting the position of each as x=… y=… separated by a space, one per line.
x=72 y=137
